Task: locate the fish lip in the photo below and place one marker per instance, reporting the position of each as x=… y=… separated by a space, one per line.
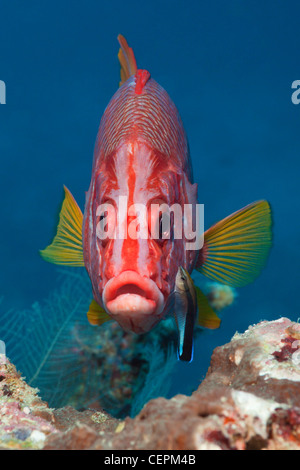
x=137 y=285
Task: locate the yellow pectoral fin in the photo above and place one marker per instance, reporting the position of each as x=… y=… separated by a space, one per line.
x=126 y=59
x=96 y=314
x=66 y=247
x=236 y=248
x=206 y=315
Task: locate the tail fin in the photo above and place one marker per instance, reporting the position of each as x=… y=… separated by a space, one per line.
x=126 y=59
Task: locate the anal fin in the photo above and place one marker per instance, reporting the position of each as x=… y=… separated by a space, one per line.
x=96 y=314
x=206 y=315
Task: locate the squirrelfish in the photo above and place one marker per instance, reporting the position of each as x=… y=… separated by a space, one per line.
x=142 y=160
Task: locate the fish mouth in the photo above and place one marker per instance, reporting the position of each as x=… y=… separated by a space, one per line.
x=134 y=301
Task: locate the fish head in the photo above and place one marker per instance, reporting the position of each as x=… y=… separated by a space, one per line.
x=130 y=250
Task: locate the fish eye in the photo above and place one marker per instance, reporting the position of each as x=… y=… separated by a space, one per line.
x=103 y=221
x=106 y=220
x=164 y=228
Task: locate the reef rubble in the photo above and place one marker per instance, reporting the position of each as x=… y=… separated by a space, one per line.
x=249 y=399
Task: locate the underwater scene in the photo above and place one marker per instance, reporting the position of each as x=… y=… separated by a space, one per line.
x=230 y=70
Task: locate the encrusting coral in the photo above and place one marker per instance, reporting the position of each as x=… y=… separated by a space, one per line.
x=249 y=399
x=25 y=420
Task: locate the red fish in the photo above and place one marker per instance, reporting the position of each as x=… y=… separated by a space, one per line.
x=141 y=159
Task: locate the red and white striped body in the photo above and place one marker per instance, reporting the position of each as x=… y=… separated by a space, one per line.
x=141 y=155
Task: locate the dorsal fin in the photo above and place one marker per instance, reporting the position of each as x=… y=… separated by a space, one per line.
x=126 y=59
x=141 y=78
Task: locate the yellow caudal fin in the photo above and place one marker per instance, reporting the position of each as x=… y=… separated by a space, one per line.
x=96 y=314
x=206 y=315
x=236 y=249
x=66 y=248
x=126 y=59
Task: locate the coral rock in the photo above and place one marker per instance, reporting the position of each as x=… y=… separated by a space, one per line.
x=25 y=420
x=249 y=399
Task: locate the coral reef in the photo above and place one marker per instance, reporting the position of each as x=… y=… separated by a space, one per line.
x=249 y=399
x=117 y=367
x=75 y=363
x=25 y=420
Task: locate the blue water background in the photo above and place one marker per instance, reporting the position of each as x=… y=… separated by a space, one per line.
x=228 y=66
